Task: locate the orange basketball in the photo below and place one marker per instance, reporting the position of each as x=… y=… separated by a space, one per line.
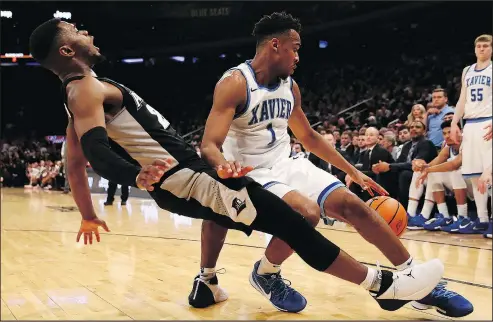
x=391 y=211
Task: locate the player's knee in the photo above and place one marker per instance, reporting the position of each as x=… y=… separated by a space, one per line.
x=311 y=211
x=346 y=205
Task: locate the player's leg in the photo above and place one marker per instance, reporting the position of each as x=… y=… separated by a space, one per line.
x=461 y=192
x=417 y=221
x=234 y=204
x=436 y=184
x=336 y=201
x=324 y=256
x=476 y=157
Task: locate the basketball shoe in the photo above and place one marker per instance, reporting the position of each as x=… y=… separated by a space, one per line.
x=416 y=222
x=446 y=302
x=206 y=292
x=473 y=227
x=273 y=287
x=437 y=222
x=489 y=231
x=454 y=227
x=401 y=287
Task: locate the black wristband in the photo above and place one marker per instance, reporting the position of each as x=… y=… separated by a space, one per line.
x=105 y=161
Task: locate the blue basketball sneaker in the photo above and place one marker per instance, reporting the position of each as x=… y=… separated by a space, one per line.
x=473 y=227
x=489 y=231
x=445 y=302
x=416 y=222
x=275 y=289
x=437 y=222
x=454 y=227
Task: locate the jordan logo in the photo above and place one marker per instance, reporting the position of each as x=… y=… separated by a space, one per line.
x=410 y=274
x=238 y=205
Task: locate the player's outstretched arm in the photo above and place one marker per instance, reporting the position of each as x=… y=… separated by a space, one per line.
x=77 y=175
x=229 y=93
x=316 y=144
x=85 y=101
x=452 y=165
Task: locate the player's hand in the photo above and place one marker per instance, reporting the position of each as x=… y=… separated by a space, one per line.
x=422 y=177
x=418 y=165
x=488 y=134
x=152 y=173
x=484 y=181
x=455 y=133
x=366 y=183
x=232 y=169
x=90 y=226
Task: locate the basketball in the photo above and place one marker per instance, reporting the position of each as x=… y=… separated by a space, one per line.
x=391 y=211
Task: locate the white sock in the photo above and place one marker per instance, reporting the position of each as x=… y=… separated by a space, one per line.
x=442 y=208
x=412 y=206
x=481 y=201
x=371 y=282
x=409 y=263
x=462 y=210
x=267 y=267
x=207 y=273
x=427 y=208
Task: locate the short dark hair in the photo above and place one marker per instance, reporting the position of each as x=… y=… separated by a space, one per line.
x=276 y=23
x=438 y=90
x=42 y=39
x=402 y=128
x=448 y=124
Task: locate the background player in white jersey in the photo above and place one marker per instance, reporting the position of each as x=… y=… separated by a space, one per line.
x=475 y=106
x=437 y=182
x=253 y=106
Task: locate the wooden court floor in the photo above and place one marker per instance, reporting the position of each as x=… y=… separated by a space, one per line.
x=144 y=268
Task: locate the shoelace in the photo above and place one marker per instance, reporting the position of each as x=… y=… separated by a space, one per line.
x=280 y=287
x=441 y=292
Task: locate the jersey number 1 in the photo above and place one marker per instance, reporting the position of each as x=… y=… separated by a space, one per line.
x=476 y=94
x=271 y=130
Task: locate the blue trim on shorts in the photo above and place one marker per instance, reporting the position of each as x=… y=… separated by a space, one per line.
x=478 y=119
x=471 y=175
x=270 y=184
x=325 y=193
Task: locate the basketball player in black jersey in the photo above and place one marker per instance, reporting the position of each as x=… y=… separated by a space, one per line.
x=130 y=143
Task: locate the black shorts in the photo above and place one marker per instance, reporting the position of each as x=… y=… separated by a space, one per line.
x=195 y=190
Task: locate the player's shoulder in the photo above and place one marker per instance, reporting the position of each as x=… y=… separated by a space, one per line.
x=233 y=76
x=87 y=88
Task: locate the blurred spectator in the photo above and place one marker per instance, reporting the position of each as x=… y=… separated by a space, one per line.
x=435 y=116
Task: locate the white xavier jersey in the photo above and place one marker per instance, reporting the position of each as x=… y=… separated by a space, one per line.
x=479 y=92
x=259 y=136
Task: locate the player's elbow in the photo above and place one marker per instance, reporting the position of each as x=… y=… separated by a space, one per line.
x=309 y=139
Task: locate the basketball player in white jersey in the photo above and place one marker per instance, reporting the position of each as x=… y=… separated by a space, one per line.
x=475 y=106
x=130 y=143
x=437 y=182
x=254 y=104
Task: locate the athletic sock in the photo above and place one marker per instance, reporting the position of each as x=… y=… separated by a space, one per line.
x=372 y=281
x=427 y=208
x=462 y=210
x=266 y=267
x=412 y=206
x=207 y=273
x=442 y=208
x=409 y=263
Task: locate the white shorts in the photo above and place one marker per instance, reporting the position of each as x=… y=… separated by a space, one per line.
x=476 y=152
x=452 y=180
x=297 y=173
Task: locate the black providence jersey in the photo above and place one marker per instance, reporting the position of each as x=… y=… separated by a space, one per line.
x=139 y=133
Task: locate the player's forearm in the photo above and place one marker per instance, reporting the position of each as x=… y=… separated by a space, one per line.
x=212 y=155
x=445 y=167
x=459 y=111
x=77 y=177
x=105 y=161
x=316 y=144
x=438 y=160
